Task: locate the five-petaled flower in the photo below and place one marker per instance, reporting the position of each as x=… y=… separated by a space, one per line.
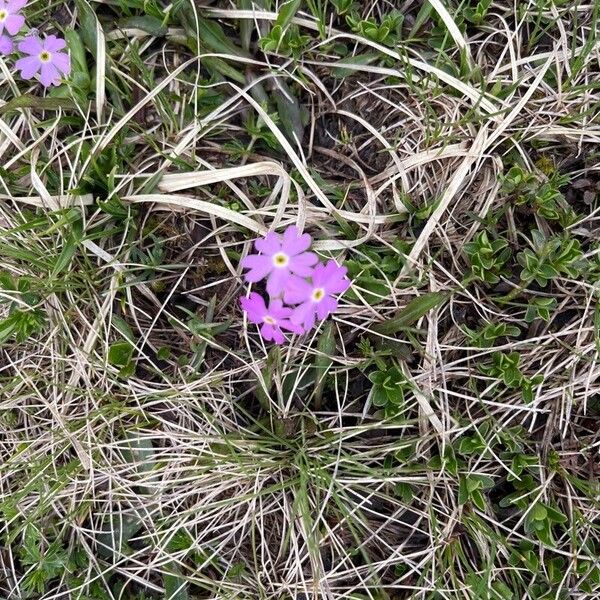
x=45 y=57
x=280 y=259
x=10 y=19
x=272 y=319
x=315 y=299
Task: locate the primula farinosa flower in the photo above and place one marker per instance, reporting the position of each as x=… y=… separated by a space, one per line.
x=45 y=57
x=315 y=298
x=10 y=19
x=280 y=259
x=6 y=45
x=273 y=319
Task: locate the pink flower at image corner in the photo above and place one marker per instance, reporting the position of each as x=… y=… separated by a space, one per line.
x=315 y=299
x=6 y=45
x=280 y=258
x=10 y=19
x=272 y=319
x=45 y=57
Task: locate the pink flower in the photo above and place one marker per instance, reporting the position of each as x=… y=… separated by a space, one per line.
x=315 y=298
x=45 y=57
x=280 y=259
x=6 y=45
x=272 y=319
x=10 y=19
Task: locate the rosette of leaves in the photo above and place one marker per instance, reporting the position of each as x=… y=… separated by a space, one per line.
x=488 y=257
x=389 y=387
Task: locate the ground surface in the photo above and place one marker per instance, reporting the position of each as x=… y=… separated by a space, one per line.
x=438 y=438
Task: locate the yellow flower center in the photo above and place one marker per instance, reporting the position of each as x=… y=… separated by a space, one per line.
x=269 y=320
x=45 y=56
x=318 y=295
x=281 y=260
x=3 y=15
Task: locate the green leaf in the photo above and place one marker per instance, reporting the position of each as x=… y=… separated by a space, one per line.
x=411 y=313
x=80 y=73
x=478 y=499
x=66 y=256
x=380 y=398
x=212 y=35
x=262 y=394
x=288 y=109
x=463 y=491
x=122 y=326
x=36 y=102
x=538 y=512
x=87 y=25
x=9 y=326
x=556 y=515
x=175 y=585
x=326 y=348
x=120 y=353
x=287 y=11
x=421 y=18
x=146 y=23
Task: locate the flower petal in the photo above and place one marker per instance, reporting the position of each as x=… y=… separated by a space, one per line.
x=326 y=307
x=13 y=6
x=289 y=326
x=302 y=264
x=271 y=332
x=49 y=75
x=319 y=275
x=277 y=281
x=6 y=45
x=332 y=277
x=278 y=311
x=28 y=66
x=269 y=245
x=260 y=267
x=293 y=242
x=337 y=286
x=304 y=315
x=31 y=45
x=54 y=44
x=62 y=62
x=13 y=23
x=255 y=307
x=297 y=290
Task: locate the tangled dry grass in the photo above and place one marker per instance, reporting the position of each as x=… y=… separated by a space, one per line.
x=153 y=447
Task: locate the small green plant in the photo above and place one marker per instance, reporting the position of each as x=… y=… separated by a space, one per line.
x=373 y=271
x=479 y=443
x=24 y=317
x=387 y=31
x=343 y=7
x=541 y=517
x=505 y=367
x=46 y=560
x=487 y=336
x=389 y=388
x=288 y=42
x=471 y=488
x=477 y=14
x=540 y=193
x=488 y=258
x=540 y=307
x=550 y=257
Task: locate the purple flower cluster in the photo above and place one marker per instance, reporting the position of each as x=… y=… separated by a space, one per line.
x=294 y=278
x=43 y=57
